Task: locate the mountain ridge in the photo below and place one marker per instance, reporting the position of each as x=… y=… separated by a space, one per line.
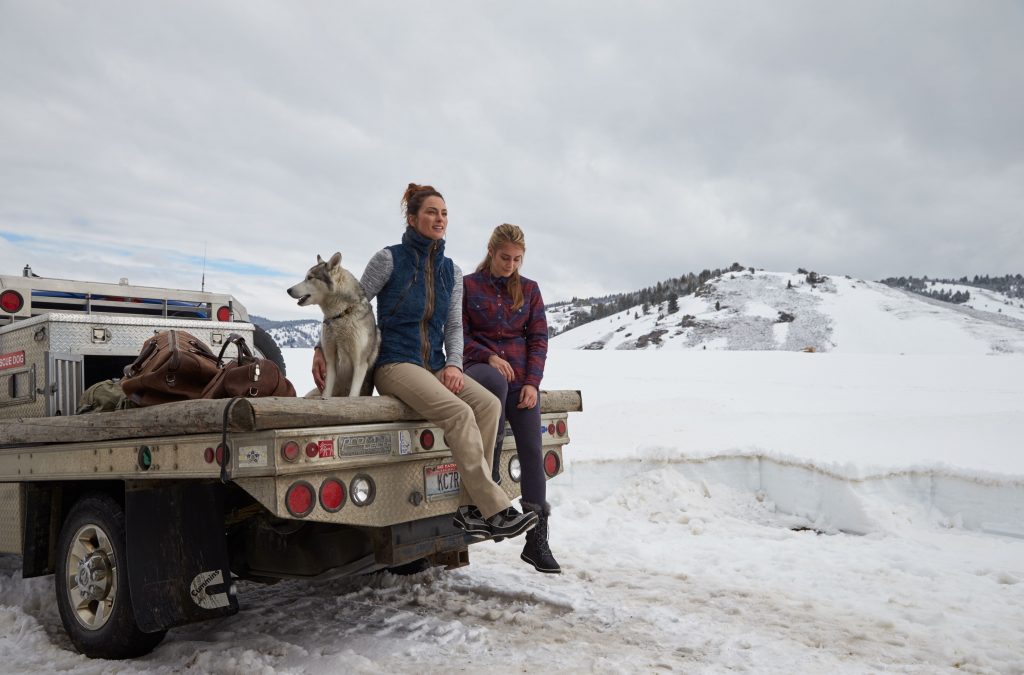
x=682 y=305
x=778 y=311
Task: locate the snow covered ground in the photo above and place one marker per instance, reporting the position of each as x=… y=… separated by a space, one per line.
x=721 y=511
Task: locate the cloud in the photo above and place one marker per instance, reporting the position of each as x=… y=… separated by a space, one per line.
x=631 y=142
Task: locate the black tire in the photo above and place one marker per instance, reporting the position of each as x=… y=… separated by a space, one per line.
x=93 y=596
x=266 y=346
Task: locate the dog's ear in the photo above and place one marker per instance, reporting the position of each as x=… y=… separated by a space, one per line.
x=335 y=260
x=319 y=260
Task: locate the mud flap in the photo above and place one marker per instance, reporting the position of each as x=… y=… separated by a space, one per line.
x=178 y=571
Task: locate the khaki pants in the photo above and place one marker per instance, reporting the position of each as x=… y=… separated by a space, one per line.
x=469 y=421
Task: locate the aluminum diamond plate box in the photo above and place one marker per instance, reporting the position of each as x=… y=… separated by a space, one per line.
x=46 y=362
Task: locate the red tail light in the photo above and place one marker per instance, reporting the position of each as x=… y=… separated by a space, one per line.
x=332 y=495
x=300 y=499
x=427 y=439
x=221 y=455
x=11 y=301
x=290 y=451
x=208 y=455
x=551 y=429
x=560 y=427
x=223 y=314
x=551 y=464
x=312 y=449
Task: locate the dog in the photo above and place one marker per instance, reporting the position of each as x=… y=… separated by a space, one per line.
x=349 y=337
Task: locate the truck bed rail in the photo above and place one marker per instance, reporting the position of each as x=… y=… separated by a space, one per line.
x=248 y=414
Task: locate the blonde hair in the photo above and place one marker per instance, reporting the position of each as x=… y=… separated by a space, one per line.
x=506 y=234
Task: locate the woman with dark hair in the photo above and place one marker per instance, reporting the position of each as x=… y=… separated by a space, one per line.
x=506 y=345
x=419 y=313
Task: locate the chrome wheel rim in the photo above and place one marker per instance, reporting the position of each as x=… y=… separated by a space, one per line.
x=91 y=577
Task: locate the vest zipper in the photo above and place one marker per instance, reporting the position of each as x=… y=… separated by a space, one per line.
x=428 y=309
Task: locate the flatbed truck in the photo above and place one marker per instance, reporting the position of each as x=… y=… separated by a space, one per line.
x=147 y=517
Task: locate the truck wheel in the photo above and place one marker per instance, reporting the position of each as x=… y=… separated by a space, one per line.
x=93 y=596
x=265 y=345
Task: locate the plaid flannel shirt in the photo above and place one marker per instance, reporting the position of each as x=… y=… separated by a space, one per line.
x=491 y=327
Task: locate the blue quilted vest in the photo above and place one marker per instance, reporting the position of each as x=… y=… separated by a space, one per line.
x=413 y=305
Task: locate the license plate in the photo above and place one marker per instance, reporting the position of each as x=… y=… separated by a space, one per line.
x=441 y=480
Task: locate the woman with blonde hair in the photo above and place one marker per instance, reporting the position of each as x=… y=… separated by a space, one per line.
x=419 y=313
x=506 y=345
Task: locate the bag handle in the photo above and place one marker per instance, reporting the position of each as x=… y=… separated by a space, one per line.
x=132 y=369
x=239 y=342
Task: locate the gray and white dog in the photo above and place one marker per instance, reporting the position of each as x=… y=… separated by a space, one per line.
x=349 y=338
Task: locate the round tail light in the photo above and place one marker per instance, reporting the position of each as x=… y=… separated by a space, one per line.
x=332 y=495
x=300 y=499
x=223 y=314
x=560 y=427
x=362 y=490
x=208 y=455
x=551 y=429
x=551 y=464
x=11 y=301
x=290 y=451
x=221 y=454
x=426 y=439
x=312 y=449
x=515 y=470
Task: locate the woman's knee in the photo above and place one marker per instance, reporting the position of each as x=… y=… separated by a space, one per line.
x=490 y=378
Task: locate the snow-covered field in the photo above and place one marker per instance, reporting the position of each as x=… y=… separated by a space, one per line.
x=720 y=511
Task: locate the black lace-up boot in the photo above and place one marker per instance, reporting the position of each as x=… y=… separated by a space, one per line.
x=537 y=552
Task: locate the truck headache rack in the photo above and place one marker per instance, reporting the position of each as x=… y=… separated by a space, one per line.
x=27 y=296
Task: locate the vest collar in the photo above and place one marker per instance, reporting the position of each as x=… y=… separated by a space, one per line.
x=421 y=244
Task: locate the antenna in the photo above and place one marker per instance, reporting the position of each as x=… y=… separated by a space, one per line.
x=202 y=286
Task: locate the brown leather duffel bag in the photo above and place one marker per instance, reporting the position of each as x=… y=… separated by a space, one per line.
x=247 y=375
x=172 y=366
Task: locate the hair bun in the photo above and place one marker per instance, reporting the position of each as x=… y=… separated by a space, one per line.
x=410 y=202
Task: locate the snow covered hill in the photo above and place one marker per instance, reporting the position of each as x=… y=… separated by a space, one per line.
x=985 y=300
x=291 y=334
x=771 y=311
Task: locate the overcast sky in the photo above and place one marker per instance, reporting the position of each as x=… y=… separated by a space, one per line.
x=632 y=141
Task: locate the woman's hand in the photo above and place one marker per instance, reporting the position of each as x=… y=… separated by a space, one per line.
x=527 y=397
x=451 y=377
x=319 y=369
x=502 y=366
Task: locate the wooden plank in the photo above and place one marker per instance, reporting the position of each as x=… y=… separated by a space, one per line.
x=561 y=400
x=169 y=419
x=206 y=416
x=290 y=413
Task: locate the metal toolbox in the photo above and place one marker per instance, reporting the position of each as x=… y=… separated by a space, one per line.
x=46 y=362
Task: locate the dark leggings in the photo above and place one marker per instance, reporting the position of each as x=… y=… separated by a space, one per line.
x=525 y=425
